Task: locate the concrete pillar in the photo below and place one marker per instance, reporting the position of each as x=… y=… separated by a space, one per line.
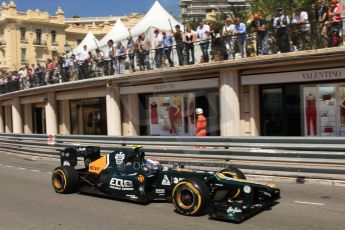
x=113 y=110
x=8 y=119
x=2 y=121
x=254 y=110
x=230 y=121
x=65 y=126
x=132 y=115
x=28 y=125
x=51 y=114
x=17 y=120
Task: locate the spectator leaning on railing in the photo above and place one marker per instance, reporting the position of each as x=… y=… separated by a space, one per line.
x=240 y=38
x=120 y=54
x=228 y=33
x=203 y=33
x=83 y=59
x=335 y=23
x=110 y=58
x=167 y=47
x=300 y=30
x=130 y=52
x=190 y=38
x=158 y=48
x=178 y=37
x=216 y=43
x=280 y=24
x=144 y=52
x=258 y=25
x=321 y=16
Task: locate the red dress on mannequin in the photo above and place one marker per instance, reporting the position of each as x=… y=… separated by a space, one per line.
x=311 y=113
x=154 y=114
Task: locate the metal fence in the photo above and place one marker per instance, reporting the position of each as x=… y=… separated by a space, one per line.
x=294 y=157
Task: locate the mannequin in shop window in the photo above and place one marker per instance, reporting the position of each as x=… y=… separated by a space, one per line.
x=173 y=114
x=201 y=123
x=342 y=111
x=311 y=113
x=154 y=113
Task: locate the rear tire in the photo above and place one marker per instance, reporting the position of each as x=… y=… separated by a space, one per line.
x=65 y=180
x=191 y=197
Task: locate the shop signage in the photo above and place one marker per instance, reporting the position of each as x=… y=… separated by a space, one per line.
x=74 y=95
x=172 y=86
x=300 y=76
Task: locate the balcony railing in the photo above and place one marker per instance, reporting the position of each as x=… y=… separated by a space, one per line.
x=159 y=59
x=24 y=41
x=40 y=43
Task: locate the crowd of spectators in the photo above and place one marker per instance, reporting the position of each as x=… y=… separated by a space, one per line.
x=290 y=33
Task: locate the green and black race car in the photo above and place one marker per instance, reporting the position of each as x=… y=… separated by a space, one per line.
x=126 y=174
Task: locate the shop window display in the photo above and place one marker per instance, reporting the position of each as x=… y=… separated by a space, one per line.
x=172 y=115
x=324 y=110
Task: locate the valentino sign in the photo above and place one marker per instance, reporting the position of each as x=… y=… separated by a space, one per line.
x=322 y=75
x=300 y=76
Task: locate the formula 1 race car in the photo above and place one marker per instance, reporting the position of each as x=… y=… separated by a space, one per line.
x=126 y=174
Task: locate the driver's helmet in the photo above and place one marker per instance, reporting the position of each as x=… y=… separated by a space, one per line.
x=151 y=164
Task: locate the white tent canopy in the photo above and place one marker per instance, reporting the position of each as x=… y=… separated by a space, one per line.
x=156 y=17
x=118 y=32
x=90 y=40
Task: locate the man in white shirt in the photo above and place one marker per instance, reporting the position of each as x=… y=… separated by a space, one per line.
x=84 y=55
x=84 y=61
x=300 y=29
x=280 y=23
x=158 y=48
x=23 y=77
x=203 y=33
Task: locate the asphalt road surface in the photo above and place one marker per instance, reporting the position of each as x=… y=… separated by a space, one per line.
x=27 y=201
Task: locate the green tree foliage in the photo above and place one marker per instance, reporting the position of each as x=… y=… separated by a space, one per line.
x=267 y=8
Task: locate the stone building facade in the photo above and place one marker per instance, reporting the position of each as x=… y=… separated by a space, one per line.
x=33 y=36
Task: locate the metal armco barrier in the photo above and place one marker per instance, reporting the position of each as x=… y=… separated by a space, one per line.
x=297 y=157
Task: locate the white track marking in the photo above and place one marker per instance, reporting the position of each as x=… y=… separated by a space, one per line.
x=21 y=168
x=310 y=203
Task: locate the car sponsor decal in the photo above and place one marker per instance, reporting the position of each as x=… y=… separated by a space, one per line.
x=134 y=197
x=166 y=180
x=98 y=165
x=66 y=163
x=119 y=158
x=141 y=178
x=232 y=211
x=176 y=180
x=160 y=191
x=120 y=184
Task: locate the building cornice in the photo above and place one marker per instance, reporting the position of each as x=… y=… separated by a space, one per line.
x=311 y=58
x=33 y=21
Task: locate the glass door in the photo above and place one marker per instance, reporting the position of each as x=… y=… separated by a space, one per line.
x=272 y=118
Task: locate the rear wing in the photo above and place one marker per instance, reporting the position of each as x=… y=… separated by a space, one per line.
x=69 y=156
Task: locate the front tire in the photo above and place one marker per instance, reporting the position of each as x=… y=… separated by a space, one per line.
x=65 y=180
x=191 y=197
x=233 y=173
